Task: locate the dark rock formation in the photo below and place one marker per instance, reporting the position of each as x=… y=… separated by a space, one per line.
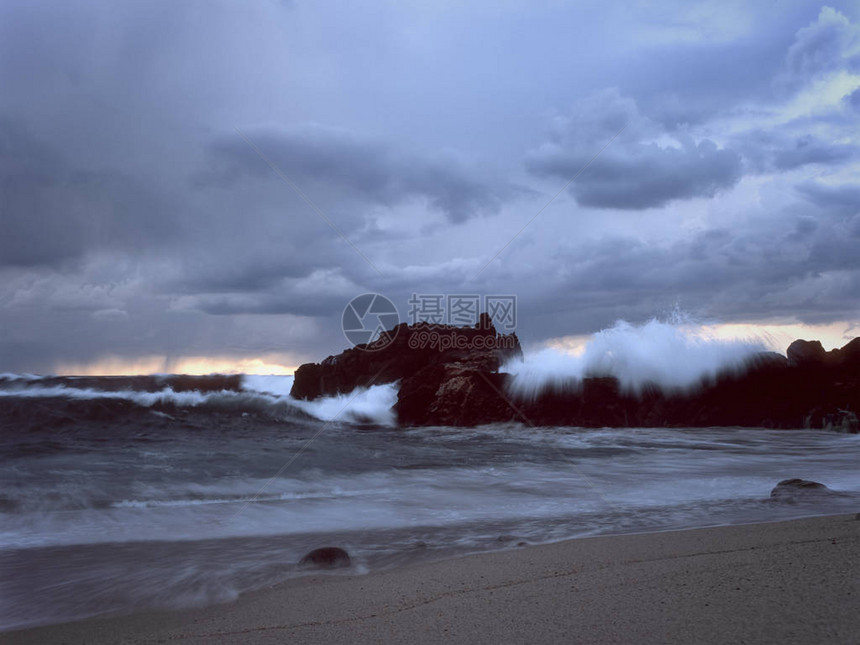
x=771 y=392
x=458 y=394
x=327 y=557
x=437 y=352
x=449 y=376
x=794 y=490
x=848 y=355
x=806 y=352
x=810 y=353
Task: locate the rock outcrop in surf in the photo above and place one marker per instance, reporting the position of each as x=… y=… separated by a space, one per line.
x=796 y=490
x=458 y=383
x=448 y=375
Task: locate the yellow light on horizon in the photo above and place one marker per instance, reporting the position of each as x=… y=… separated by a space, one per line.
x=278 y=364
x=775 y=337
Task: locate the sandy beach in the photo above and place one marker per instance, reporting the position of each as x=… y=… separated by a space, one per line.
x=786 y=582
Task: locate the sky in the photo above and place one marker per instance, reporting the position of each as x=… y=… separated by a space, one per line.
x=204 y=185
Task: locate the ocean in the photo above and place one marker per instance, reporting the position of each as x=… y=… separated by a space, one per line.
x=125 y=494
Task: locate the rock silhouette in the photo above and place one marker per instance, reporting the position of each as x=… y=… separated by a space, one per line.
x=328 y=557
x=796 y=490
x=423 y=357
x=456 y=382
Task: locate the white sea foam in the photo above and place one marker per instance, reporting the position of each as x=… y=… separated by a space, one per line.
x=676 y=354
x=274 y=384
x=147 y=399
x=10 y=376
x=363 y=405
x=668 y=354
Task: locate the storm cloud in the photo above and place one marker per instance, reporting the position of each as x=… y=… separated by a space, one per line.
x=372 y=171
x=644 y=175
x=639 y=170
x=210 y=179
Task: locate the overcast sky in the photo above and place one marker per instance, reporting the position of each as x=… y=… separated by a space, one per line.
x=170 y=170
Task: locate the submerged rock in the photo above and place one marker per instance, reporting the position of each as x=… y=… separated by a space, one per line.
x=328 y=557
x=798 y=489
x=512 y=539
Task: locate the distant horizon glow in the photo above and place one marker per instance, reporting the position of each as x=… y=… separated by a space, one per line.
x=774 y=336
x=269 y=364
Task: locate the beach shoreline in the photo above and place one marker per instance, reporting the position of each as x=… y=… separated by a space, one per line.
x=783 y=582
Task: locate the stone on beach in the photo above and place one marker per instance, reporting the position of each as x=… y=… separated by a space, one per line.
x=797 y=489
x=328 y=557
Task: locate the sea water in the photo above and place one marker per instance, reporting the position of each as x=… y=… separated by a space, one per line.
x=115 y=499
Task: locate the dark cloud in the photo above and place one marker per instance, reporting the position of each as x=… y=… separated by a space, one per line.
x=38 y=225
x=54 y=211
x=372 y=170
x=320 y=304
x=265 y=272
x=49 y=214
x=839 y=200
x=806 y=151
x=634 y=172
x=809 y=271
x=778 y=150
x=648 y=176
x=124 y=318
x=136 y=220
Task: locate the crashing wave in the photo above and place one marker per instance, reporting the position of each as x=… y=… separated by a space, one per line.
x=668 y=355
x=100 y=396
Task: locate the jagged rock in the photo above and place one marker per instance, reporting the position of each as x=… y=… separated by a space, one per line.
x=806 y=352
x=455 y=394
x=328 y=557
x=848 y=356
x=768 y=392
x=448 y=375
x=458 y=384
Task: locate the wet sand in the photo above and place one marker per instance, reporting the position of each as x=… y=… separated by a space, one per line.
x=785 y=582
